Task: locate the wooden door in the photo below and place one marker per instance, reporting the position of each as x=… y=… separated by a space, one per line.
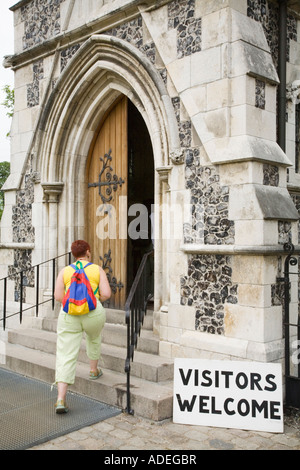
x=107 y=201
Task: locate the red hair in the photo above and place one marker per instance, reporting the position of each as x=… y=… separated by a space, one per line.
x=79 y=248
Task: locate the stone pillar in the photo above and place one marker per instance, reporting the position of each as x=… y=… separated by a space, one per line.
x=52 y=193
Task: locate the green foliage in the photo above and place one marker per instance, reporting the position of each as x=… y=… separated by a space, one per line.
x=9 y=101
x=4 y=173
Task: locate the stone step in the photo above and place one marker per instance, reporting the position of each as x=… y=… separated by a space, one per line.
x=147 y=366
x=117 y=336
x=148 y=399
x=112 y=316
x=31 y=349
x=113 y=333
x=118 y=317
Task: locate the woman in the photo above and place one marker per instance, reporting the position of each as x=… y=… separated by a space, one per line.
x=70 y=327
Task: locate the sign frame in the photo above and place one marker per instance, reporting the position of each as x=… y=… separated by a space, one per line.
x=228 y=394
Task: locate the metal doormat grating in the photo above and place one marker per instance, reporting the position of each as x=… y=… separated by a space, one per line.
x=27 y=413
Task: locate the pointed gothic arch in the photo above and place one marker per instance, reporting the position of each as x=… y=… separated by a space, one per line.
x=103 y=68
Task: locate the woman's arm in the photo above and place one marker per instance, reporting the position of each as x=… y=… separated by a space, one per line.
x=104 y=287
x=59 y=291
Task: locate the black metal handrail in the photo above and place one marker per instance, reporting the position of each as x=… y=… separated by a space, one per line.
x=292 y=380
x=135 y=307
x=135 y=311
x=37 y=286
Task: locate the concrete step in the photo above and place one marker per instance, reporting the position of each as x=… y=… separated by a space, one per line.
x=118 y=317
x=115 y=317
x=31 y=350
x=113 y=333
x=148 y=399
x=147 y=366
x=117 y=336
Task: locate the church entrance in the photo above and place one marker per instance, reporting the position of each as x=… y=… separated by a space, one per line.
x=120 y=196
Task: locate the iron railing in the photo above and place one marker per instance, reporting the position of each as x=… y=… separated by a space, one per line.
x=135 y=311
x=22 y=275
x=292 y=377
x=135 y=307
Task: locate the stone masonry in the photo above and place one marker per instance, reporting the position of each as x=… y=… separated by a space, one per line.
x=204 y=77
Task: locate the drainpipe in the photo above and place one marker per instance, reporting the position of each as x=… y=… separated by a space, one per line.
x=282 y=73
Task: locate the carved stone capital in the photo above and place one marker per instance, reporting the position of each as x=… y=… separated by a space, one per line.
x=52 y=191
x=164 y=172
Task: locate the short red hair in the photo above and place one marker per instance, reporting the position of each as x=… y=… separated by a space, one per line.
x=79 y=248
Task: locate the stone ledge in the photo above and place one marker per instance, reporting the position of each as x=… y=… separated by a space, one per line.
x=276 y=203
x=206 y=345
x=263 y=250
x=17 y=246
x=242 y=148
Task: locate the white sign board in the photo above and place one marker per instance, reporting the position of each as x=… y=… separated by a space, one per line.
x=229 y=394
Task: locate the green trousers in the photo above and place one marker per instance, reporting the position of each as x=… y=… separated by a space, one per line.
x=70 y=330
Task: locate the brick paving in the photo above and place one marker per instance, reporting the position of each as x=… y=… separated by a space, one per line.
x=125 y=433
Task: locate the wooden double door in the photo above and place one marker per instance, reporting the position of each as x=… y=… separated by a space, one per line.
x=119 y=172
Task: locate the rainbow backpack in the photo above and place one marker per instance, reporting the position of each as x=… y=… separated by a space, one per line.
x=79 y=298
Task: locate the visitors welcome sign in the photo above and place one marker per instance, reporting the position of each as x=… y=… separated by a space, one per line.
x=229 y=394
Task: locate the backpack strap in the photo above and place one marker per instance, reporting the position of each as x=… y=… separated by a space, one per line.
x=89 y=264
x=74 y=266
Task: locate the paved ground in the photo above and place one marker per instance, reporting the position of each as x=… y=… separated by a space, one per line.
x=127 y=433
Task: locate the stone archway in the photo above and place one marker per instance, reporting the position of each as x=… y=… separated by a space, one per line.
x=103 y=69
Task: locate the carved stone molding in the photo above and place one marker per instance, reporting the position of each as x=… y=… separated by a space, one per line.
x=177 y=157
x=52 y=191
x=293 y=92
x=164 y=172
